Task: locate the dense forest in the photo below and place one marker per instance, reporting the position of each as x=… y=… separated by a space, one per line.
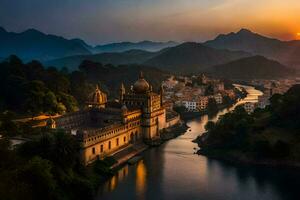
x=269 y=135
x=31 y=89
x=48 y=168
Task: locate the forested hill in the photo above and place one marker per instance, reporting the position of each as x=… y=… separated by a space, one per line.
x=255 y=67
x=30 y=88
x=191 y=57
x=268 y=136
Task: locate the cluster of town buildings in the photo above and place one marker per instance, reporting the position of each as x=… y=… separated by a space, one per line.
x=192 y=92
x=271 y=87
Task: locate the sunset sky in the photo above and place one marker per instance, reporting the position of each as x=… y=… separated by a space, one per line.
x=102 y=21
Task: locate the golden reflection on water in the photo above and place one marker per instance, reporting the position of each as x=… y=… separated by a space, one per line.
x=117 y=178
x=141 y=178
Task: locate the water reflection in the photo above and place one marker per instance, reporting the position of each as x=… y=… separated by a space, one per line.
x=111 y=184
x=140 y=179
x=173 y=171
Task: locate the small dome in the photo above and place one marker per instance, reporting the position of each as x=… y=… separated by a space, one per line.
x=141 y=85
x=124 y=108
x=97 y=98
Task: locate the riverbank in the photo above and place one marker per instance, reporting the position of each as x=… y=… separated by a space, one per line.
x=129 y=155
x=240 y=158
x=193 y=115
x=263 y=138
x=123 y=156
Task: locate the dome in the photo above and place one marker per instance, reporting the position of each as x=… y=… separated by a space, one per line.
x=141 y=85
x=97 y=98
x=124 y=108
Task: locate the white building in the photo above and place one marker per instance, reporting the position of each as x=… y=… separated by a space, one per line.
x=191 y=106
x=249 y=107
x=218 y=98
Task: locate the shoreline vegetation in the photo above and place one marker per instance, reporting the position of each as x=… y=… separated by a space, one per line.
x=268 y=136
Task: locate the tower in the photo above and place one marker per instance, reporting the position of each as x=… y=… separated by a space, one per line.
x=161 y=91
x=153 y=114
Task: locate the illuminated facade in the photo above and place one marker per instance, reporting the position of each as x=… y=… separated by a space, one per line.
x=105 y=128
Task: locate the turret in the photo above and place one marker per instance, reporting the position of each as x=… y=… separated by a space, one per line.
x=50 y=123
x=161 y=91
x=122 y=91
x=273 y=85
x=124 y=112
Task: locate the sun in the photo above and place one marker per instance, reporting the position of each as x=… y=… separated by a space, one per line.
x=298 y=34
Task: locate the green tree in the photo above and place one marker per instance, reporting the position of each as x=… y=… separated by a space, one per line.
x=50 y=103
x=210 y=125
x=35 y=98
x=35 y=180
x=212 y=106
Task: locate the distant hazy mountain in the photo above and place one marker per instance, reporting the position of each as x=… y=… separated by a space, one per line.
x=286 y=52
x=120 y=58
x=125 y=46
x=193 y=57
x=251 y=68
x=32 y=44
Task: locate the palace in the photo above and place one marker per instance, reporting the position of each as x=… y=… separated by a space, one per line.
x=105 y=128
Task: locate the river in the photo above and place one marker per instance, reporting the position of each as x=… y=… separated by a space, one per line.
x=173 y=171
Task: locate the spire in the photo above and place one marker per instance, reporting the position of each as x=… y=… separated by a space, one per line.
x=97 y=87
x=121 y=92
x=161 y=88
x=122 y=86
x=141 y=75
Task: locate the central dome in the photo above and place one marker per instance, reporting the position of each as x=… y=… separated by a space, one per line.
x=141 y=85
x=97 y=98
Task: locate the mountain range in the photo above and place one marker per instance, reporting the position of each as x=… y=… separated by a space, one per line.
x=286 y=52
x=33 y=44
x=189 y=57
x=192 y=57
